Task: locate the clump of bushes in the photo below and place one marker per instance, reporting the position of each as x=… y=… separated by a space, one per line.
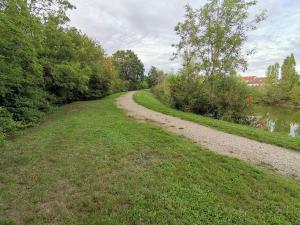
x=221 y=97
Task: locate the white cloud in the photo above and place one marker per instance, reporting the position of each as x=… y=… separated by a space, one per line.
x=147 y=27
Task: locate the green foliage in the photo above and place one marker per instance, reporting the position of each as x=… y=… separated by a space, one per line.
x=213 y=36
x=110 y=71
x=68 y=81
x=43 y=62
x=130 y=67
x=163 y=90
x=228 y=98
x=284 y=90
x=155 y=76
x=272 y=74
x=295 y=95
x=21 y=88
x=6 y=121
x=221 y=97
x=49 y=8
x=72 y=64
x=289 y=76
x=211 y=41
x=271 y=92
x=188 y=94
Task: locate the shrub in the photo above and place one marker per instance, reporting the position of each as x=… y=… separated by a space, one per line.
x=295 y=96
x=7 y=124
x=228 y=98
x=220 y=97
x=22 y=93
x=162 y=90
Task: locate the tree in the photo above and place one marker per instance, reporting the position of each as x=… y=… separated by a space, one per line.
x=272 y=74
x=106 y=81
x=117 y=84
x=155 y=76
x=66 y=76
x=289 y=75
x=130 y=67
x=271 y=91
x=285 y=90
x=231 y=104
x=22 y=92
x=295 y=96
x=214 y=35
x=211 y=45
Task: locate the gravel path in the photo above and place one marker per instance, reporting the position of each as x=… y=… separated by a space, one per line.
x=283 y=161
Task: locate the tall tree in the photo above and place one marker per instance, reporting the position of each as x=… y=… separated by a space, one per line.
x=272 y=93
x=289 y=73
x=130 y=67
x=214 y=35
x=272 y=73
x=155 y=76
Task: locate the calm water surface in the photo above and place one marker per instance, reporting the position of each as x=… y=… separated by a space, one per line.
x=279 y=119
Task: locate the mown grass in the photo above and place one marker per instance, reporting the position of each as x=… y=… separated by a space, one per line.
x=147 y=99
x=88 y=163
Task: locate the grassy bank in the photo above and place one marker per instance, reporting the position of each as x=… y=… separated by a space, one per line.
x=88 y=163
x=147 y=99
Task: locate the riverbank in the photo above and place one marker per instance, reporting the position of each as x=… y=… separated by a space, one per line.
x=146 y=98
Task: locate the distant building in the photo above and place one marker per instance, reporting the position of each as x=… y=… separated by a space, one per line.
x=254 y=81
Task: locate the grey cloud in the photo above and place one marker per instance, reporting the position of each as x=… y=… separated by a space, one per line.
x=147 y=27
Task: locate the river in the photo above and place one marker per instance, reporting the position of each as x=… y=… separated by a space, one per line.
x=279 y=119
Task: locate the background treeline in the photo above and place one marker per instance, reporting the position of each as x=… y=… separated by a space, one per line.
x=44 y=62
x=282 y=86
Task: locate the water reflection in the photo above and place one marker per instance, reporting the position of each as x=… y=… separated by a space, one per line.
x=294 y=129
x=277 y=119
x=271 y=125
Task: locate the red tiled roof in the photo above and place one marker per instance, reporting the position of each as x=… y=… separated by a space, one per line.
x=254 y=80
x=249 y=78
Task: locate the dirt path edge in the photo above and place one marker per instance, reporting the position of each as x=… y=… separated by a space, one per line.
x=283 y=161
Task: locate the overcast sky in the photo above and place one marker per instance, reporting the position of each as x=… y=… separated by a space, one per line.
x=147 y=27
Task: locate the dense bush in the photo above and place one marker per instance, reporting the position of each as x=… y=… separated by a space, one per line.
x=295 y=96
x=22 y=91
x=45 y=62
x=221 y=97
x=228 y=98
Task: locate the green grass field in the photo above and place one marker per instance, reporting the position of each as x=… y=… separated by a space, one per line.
x=147 y=99
x=88 y=163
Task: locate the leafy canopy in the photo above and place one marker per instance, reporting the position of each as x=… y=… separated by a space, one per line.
x=213 y=36
x=130 y=67
x=155 y=76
